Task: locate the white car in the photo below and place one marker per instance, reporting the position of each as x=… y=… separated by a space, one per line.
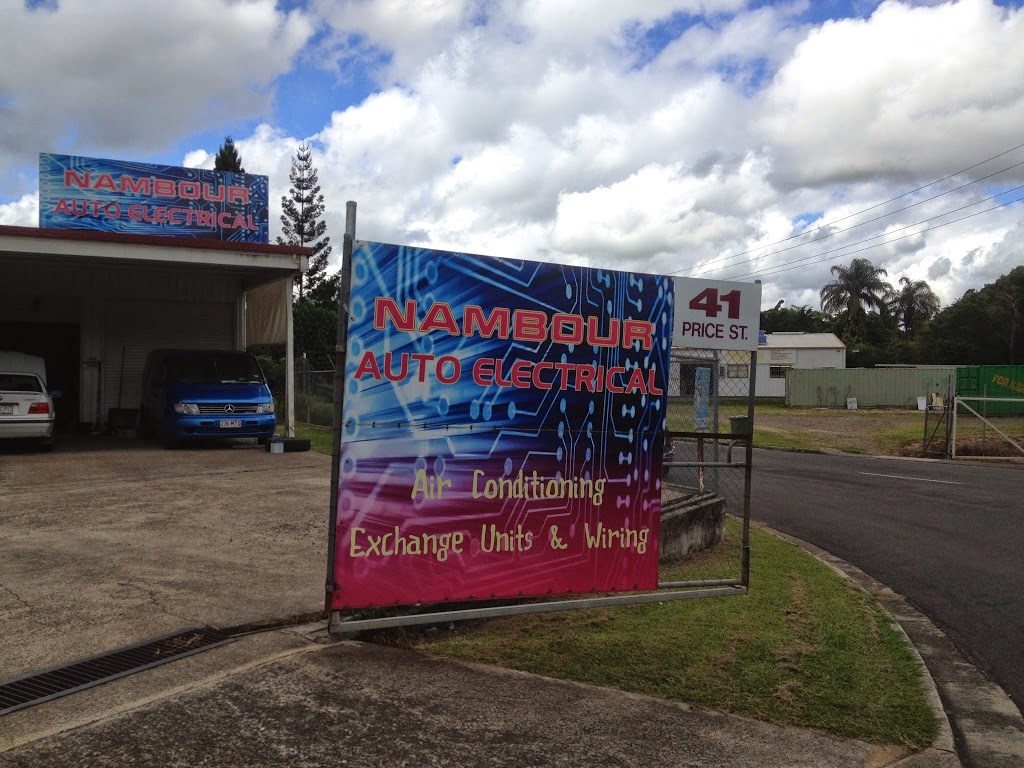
x=26 y=407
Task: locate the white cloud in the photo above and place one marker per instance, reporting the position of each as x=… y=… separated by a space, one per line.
x=115 y=77
x=569 y=130
x=909 y=91
x=21 y=213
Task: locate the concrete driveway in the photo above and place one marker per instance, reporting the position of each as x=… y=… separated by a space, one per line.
x=108 y=543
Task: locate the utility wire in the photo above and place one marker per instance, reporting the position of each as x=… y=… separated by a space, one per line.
x=858 y=213
x=786 y=268
x=884 y=216
x=900 y=229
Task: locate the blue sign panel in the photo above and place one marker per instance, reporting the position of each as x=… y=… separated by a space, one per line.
x=143 y=199
x=503 y=428
x=701 y=399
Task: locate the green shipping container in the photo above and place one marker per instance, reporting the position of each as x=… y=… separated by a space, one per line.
x=992 y=381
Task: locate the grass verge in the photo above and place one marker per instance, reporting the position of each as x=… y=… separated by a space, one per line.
x=321 y=438
x=803 y=648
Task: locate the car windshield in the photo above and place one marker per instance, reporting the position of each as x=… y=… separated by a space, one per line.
x=19 y=382
x=216 y=369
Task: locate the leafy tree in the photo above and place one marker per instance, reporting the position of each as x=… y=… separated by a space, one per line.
x=982 y=327
x=855 y=287
x=228 y=158
x=316 y=333
x=301 y=223
x=913 y=304
x=794 y=319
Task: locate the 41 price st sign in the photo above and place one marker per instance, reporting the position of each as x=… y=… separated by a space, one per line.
x=712 y=314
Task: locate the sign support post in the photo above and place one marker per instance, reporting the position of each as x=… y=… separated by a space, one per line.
x=340 y=361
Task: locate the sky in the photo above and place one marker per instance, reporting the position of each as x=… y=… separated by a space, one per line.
x=720 y=139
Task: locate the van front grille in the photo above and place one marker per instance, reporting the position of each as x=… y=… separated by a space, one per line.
x=226 y=409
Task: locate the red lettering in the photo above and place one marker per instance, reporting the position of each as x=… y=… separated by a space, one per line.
x=135 y=212
x=529 y=325
x=537 y=381
x=422 y=360
x=76 y=179
x=636 y=382
x=567 y=329
x=164 y=187
x=610 y=384
x=585 y=375
x=638 y=330
x=440 y=318
x=473 y=318
x=62 y=207
x=594 y=336
x=497 y=375
x=401 y=375
x=483 y=372
x=213 y=194
x=385 y=309
x=189 y=190
x=132 y=185
x=368 y=367
x=105 y=181
x=520 y=374
x=653 y=388
x=456 y=369
x=563 y=371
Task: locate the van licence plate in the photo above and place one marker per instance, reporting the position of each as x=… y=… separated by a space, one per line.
x=230 y=424
x=6 y=410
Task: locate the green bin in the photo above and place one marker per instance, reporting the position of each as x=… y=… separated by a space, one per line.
x=739 y=425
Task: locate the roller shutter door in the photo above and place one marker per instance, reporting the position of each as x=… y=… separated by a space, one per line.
x=132 y=328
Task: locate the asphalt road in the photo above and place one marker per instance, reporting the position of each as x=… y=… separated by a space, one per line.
x=947 y=536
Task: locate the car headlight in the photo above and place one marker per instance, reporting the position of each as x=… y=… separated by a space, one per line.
x=188 y=409
x=265 y=407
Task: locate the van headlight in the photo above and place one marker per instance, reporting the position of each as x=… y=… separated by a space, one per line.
x=265 y=407
x=187 y=409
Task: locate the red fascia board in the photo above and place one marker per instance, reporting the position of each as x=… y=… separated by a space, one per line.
x=156 y=240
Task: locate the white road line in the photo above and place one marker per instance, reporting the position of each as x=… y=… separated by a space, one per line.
x=903 y=477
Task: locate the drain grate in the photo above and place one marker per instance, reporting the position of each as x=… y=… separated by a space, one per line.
x=53 y=683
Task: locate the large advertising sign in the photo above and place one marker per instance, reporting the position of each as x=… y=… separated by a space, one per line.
x=144 y=199
x=712 y=314
x=502 y=431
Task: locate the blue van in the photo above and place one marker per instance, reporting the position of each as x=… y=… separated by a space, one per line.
x=201 y=394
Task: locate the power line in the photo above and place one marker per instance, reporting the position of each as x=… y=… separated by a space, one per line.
x=786 y=268
x=858 y=213
x=900 y=229
x=886 y=215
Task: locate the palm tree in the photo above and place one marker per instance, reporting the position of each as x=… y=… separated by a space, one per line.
x=914 y=304
x=857 y=286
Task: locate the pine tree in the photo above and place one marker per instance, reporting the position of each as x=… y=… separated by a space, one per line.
x=301 y=223
x=228 y=158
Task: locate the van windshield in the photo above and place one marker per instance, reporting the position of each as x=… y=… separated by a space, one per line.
x=215 y=369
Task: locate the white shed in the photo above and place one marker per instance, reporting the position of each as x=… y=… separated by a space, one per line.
x=787 y=350
x=777 y=353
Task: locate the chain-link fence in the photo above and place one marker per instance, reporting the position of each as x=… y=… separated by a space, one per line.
x=709 y=427
x=314 y=397
x=988 y=427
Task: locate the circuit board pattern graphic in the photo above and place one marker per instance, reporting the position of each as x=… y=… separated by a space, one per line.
x=464 y=431
x=74 y=207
